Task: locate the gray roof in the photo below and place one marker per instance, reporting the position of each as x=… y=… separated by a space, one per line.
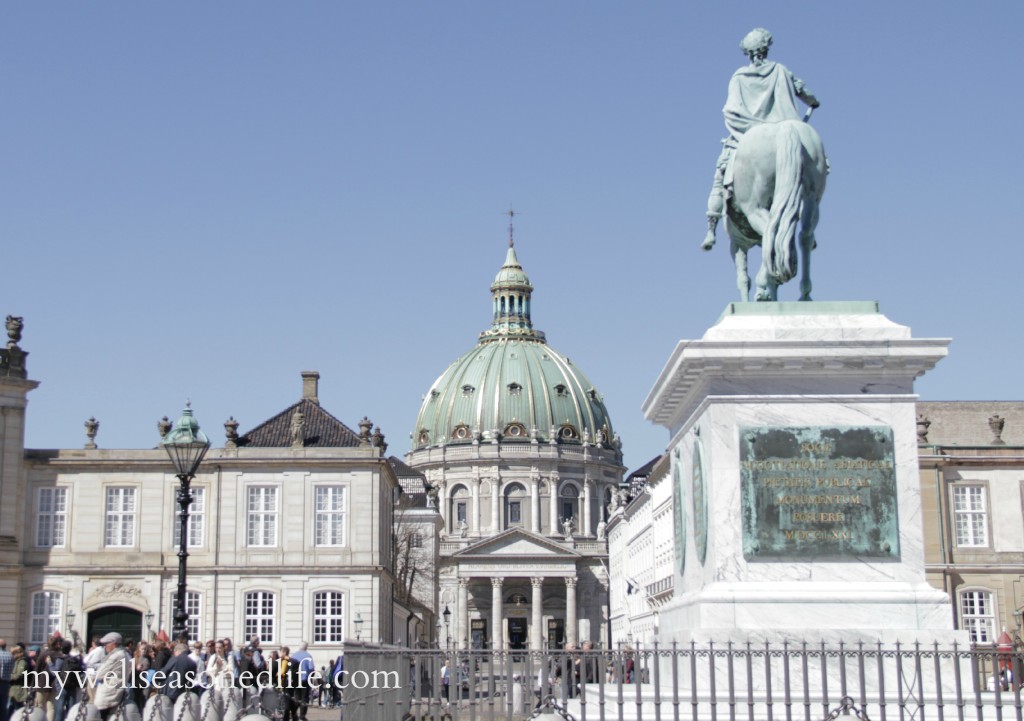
x=322 y=430
x=966 y=423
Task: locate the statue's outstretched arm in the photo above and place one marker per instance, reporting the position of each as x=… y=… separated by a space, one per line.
x=804 y=93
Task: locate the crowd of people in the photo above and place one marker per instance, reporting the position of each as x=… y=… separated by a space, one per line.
x=57 y=675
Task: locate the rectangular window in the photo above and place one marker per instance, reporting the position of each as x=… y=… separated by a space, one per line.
x=120 y=527
x=977 y=616
x=460 y=511
x=46 y=613
x=262 y=522
x=515 y=512
x=196 y=521
x=328 y=617
x=568 y=510
x=194 y=608
x=259 y=616
x=969 y=516
x=330 y=516
x=51 y=523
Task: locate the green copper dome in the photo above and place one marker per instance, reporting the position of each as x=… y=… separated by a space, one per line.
x=512 y=386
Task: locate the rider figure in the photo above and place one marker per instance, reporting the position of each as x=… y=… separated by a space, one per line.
x=762 y=92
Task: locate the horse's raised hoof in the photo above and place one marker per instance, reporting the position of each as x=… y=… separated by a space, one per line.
x=709 y=242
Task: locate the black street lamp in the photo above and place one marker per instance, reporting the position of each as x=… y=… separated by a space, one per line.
x=186 y=445
x=447 y=634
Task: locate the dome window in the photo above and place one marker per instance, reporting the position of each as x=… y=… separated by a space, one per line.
x=593 y=394
x=424 y=438
x=561 y=391
x=467 y=390
x=461 y=433
x=514 y=389
x=434 y=394
x=568 y=433
x=515 y=430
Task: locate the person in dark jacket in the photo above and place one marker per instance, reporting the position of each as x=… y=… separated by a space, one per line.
x=178 y=675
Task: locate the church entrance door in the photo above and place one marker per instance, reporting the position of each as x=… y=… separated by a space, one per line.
x=556 y=633
x=517 y=633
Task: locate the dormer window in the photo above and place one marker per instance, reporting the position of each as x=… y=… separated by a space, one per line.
x=568 y=433
x=514 y=389
x=461 y=432
x=467 y=390
x=593 y=394
x=434 y=394
x=515 y=430
x=561 y=391
x=424 y=437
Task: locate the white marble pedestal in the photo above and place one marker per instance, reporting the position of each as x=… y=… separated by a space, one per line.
x=829 y=365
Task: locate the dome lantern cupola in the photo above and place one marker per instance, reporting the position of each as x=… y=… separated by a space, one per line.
x=510 y=298
x=513 y=387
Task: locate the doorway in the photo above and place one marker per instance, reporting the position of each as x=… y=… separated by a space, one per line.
x=120 y=619
x=478 y=633
x=517 y=633
x=556 y=633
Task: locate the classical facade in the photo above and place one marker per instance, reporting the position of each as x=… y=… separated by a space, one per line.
x=523 y=465
x=641 y=551
x=276 y=547
x=972 y=494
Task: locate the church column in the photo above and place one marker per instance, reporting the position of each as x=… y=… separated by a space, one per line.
x=535 y=504
x=537 y=606
x=475 y=518
x=464 y=612
x=496 y=505
x=570 y=610
x=587 y=528
x=443 y=503
x=498 y=642
x=553 y=483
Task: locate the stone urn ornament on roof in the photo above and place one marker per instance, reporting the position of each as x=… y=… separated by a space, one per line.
x=996 y=423
x=92 y=427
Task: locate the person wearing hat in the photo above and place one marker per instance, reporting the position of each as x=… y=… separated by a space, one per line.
x=112 y=675
x=18 y=690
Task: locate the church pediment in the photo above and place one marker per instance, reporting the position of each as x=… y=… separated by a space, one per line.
x=516 y=542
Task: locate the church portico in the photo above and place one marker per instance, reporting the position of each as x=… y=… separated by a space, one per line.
x=518 y=590
x=515 y=612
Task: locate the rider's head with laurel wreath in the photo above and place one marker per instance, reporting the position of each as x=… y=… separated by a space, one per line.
x=755 y=45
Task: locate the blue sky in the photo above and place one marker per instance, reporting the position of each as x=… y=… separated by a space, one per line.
x=204 y=199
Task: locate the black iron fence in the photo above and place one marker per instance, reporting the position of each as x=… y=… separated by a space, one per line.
x=729 y=682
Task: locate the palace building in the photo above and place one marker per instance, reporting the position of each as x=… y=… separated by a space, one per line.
x=289 y=535
x=523 y=464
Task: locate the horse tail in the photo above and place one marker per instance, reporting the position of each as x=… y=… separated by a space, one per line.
x=779 y=241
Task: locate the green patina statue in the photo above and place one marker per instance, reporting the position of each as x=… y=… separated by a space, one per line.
x=771 y=173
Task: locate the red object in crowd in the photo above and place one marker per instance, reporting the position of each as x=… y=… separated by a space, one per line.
x=1004 y=646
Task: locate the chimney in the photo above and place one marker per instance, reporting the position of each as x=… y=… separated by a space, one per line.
x=310 y=381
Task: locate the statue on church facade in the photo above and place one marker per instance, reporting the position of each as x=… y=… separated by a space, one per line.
x=770 y=176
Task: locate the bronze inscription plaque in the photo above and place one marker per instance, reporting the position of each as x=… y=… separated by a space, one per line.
x=825 y=492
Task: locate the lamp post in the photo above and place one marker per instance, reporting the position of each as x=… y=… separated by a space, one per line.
x=358 y=623
x=186 y=445
x=149 y=624
x=70 y=616
x=447 y=620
